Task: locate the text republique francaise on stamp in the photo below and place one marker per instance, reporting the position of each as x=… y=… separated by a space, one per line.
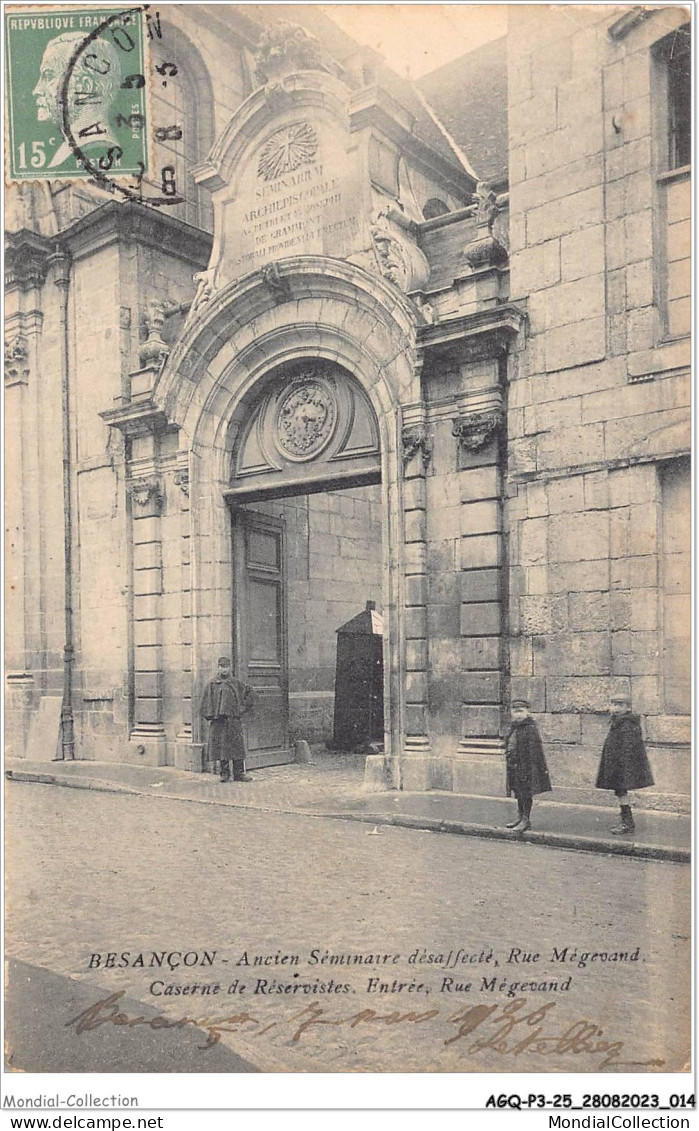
x=76 y=93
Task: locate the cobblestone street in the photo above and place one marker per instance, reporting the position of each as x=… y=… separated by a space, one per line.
x=92 y=874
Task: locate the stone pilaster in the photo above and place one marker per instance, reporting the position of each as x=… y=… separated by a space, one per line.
x=417 y=454
x=148 y=730
x=188 y=756
x=142 y=425
x=477 y=433
x=26 y=259
x=17 y=370
x=19 y=677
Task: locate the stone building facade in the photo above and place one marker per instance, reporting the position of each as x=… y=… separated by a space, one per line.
x=399 y=343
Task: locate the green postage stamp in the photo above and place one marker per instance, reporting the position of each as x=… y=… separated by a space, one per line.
x=76 y=93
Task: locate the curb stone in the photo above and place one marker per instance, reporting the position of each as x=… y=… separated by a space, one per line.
x=575 y=843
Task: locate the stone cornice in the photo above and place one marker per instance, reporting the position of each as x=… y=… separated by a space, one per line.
x=628 y=21
x=458 y=216
x=139 y=418
x=547 y=475
x=374 y=107
x=372 y=100
x=115 y=221
x=27 y=256
x=487 y=332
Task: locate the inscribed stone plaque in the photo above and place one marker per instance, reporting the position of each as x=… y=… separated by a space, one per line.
x=298 y=193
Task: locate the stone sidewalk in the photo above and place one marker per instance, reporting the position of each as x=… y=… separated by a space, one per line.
x=334 y=789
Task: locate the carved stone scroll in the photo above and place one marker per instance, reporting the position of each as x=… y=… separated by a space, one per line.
x=415 y=439
x=486 y=204
x=16 y=357
x=146 y=495
x=477 y=429
x=277 y=285
x=181 y=480
x=487 y=249
x=205 y=290
x=398 y=257
x=154 y=350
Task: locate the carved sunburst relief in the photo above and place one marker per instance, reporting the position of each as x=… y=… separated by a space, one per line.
x=286 y=150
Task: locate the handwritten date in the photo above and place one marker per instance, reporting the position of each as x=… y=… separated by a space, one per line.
x=508 y=1030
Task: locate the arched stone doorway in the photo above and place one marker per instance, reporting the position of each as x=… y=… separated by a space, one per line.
x=307 y=545
x=328 y=320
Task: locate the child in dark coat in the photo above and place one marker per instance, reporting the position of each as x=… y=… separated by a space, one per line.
x=624 y=763
x=527 y=772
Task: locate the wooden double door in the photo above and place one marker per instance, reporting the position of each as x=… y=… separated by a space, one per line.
x=260 y=637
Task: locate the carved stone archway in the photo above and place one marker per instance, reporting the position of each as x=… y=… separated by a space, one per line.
x=326 y=314
x=311 y=426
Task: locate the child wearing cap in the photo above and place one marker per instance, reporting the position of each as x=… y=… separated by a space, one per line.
x=624 y=763
x=527 y=772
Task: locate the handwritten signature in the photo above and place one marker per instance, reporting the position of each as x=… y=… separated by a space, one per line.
x=509 y=1029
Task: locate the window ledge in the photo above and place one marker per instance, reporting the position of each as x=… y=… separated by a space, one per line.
x=674 y=353
x=681 y=174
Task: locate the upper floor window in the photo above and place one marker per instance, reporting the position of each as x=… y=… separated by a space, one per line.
x=672 y=131
x=183 y=111
x=674 y=55
x=434 y=208
x=676 y=588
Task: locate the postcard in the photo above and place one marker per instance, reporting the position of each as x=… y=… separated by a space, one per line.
x=347 y=584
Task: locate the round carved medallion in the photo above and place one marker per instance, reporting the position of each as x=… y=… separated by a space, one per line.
x=306 y=419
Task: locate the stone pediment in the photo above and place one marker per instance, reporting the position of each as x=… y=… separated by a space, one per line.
x=293 y=174
x=287 y=179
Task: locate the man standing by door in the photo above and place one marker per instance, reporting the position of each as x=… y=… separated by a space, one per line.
x=224 y=703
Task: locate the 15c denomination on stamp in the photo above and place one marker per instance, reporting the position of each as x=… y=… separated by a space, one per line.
x=76 y=93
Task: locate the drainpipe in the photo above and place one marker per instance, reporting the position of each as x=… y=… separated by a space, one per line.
x=62 y=280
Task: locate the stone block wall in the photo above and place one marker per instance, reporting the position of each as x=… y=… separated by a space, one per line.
x=128 y=596
x=99 y=525
x=466 y=669
x=131 y=585
x=599 y=400
x=333 y=567
x=443 y=591
x=34 y=554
